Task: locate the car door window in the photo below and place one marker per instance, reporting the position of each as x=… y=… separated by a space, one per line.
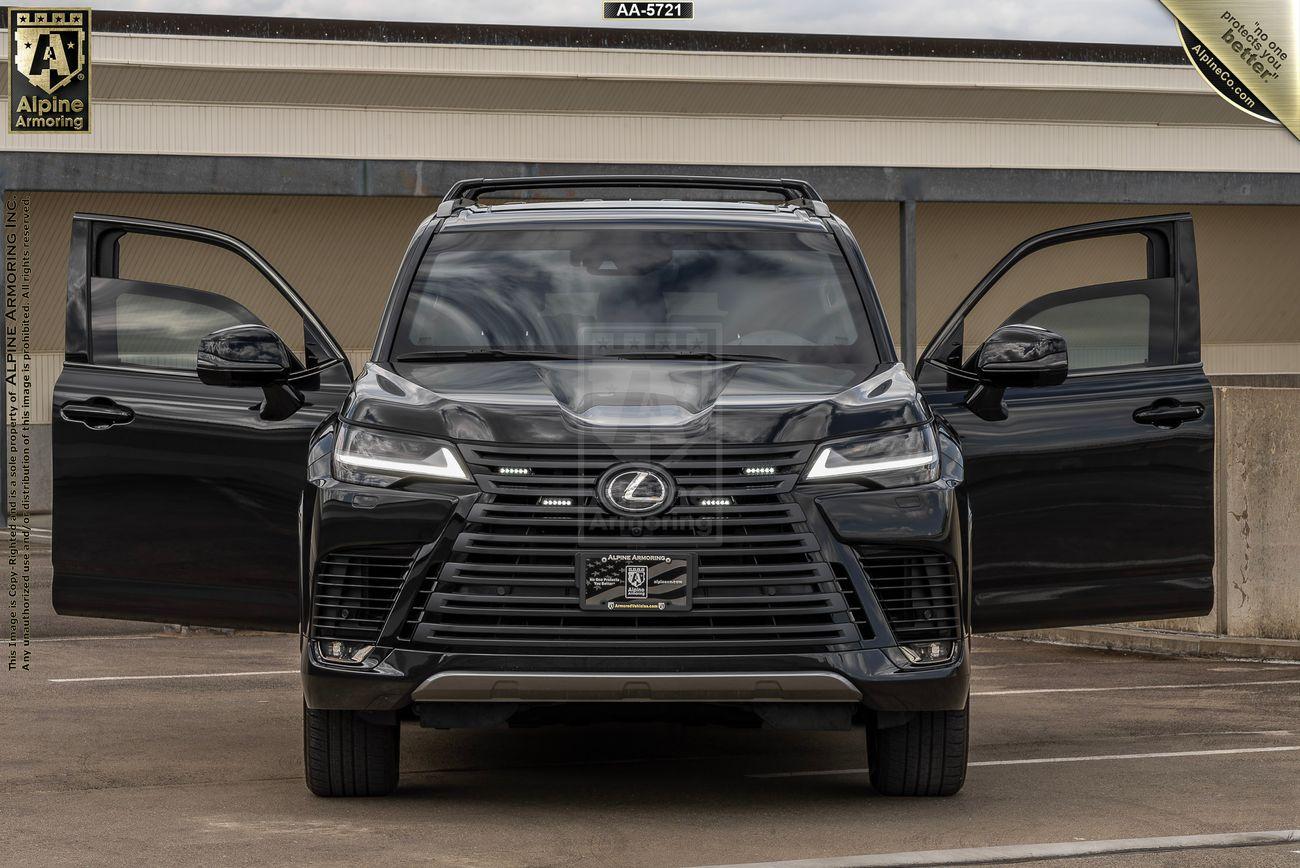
x=1105 y=332
x=153 y=313
x=1125 y=318
x=151 y=325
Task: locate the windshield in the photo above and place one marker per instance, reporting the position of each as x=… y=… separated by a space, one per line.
x=636 y=291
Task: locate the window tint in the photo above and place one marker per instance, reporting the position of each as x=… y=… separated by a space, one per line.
x=154 y=325
x=1101 y=332
x=598 y=291
x=1126 y=322
x=1061 y=267
x=188 y=263
x=168 y=293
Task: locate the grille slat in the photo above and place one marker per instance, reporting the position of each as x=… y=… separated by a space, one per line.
x=510 y=581
x=560 y=606
x=574 y=471
x=736 y=546
x=355 y=590
x=604 y=632
x=918 y=592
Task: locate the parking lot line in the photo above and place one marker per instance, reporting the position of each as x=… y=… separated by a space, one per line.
x=1136 y=756
x=1055 y=759
x=1033 y=690
x=164 y=677
x=103 y=638
x=1038 y=852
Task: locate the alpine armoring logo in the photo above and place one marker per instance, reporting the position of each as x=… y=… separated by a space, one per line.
x=49 y=71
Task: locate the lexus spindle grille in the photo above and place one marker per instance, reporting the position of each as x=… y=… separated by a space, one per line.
x=510 y=585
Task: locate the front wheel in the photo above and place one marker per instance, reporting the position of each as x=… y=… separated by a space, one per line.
x=926 y=756
x=346 y=754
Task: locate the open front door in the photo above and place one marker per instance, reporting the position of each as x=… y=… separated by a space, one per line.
x=175 y=500
x=1092 y=499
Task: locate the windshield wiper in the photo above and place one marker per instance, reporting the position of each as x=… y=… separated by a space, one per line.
x=703 y=357
x=488 y=355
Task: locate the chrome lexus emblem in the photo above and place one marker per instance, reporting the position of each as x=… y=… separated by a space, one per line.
x=635 y=490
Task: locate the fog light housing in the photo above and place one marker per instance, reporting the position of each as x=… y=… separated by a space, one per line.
x=336 y=651
x=928 y=653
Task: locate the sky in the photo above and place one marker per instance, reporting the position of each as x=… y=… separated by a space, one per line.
x=1133 y=21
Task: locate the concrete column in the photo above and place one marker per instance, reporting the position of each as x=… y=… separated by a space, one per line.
x=907 y=280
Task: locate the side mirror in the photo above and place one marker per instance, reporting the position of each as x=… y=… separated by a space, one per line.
x=1022 y=355
x=1015 y=355
x=243 y=355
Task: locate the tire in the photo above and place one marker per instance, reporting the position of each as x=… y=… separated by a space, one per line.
x=346 y=755
x=924 y=757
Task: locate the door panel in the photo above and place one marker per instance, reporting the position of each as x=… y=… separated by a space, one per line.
x=175 y=501
x=1081 y=515
x=1092 y=501
x=189 y=512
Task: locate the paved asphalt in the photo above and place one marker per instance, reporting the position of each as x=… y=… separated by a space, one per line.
x=208 y=770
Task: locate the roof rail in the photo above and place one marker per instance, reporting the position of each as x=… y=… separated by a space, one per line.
x=800 y=194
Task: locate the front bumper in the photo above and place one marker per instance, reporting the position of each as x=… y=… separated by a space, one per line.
x=879 y=683
x=870 y=674
x=470 y=686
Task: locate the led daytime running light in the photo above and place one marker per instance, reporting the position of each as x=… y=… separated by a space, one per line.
x=821 y=471
x=449 y=468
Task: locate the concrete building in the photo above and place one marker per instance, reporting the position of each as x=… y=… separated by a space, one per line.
x=324 y=143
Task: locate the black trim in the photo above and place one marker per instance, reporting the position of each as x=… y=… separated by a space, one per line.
x=433 y=33
x=466 y=193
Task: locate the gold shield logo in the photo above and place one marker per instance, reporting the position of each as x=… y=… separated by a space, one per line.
x=50 y=47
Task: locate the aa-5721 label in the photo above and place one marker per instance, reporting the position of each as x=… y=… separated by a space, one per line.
x=649 y=10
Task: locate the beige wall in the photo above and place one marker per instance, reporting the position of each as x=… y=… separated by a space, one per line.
x=1248 y=257
x=331 y=98
x=342 y=253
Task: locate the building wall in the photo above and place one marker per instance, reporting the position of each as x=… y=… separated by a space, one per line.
x=342 y=253
x=289 y=97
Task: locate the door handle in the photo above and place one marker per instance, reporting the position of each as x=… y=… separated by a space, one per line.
x=1168 y=413
x=97 y=413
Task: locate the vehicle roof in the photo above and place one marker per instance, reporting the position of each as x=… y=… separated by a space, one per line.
x=749 y=214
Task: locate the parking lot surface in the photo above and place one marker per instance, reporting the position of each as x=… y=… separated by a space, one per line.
x=147 y=746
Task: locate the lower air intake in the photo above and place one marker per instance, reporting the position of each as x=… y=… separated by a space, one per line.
x=918 y=592
x=355 y=590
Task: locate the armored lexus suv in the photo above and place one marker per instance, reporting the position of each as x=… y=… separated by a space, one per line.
x=637 y=458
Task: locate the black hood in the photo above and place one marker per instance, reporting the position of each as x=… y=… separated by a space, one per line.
x=634 y=401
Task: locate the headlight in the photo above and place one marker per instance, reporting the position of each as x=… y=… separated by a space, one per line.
x=889 y=460
x=368 y=457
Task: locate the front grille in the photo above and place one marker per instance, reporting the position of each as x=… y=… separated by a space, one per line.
x=355 y=590
x=510 y=585
x=917 y=591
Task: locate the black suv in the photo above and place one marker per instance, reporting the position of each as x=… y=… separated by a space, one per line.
x=618 y=459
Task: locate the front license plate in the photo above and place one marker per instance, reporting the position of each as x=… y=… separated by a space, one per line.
x=636 y=581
